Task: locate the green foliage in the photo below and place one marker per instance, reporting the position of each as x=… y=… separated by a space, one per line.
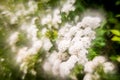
x=22 y=40
x=115 y=58
x=116 y=36
x=52 y=34
x=115 y=32
x=77 y=71
x=117 y=2
x=92 y=53
x=78 y=68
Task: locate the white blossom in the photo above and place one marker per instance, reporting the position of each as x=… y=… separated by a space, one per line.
x=14 y=37
x=33 y=72
x=22 y=53
x=53 y=57
x=68 y=6
x=55 y=68
x=47 y=66
x=32 y=6
x=71 y=61
x=64 y=70
x=56 y=17
x=75 y=48
x=35 y=47
x=88 y=76
x=32 y=32
x=89 y=67
x=46 y=44
x=43 y=32
x=109 y=67
x=73 y=30
x=82 y=58
x=92 y=22
x=86 y=42
x=2 y=59
x=63 y=45
x=99 y=60
x=46 y=20
x=64 y=29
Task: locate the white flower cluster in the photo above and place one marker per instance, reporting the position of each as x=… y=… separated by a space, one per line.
x=91 y=67
x=76 y=40
x=68 y=6
x=21 y=10
x=12 y=40
x=24 y=54
x=52 y=19
x=72 y=41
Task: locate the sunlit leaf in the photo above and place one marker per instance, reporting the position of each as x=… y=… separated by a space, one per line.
x=118 y=15
x=115 y=32
x=115 y=38
x=118 y=58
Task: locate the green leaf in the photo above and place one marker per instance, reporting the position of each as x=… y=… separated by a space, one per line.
x=115 y=38
x=118 y=15
x=118 y=58
x=113 y=58
x=117 y=3
x=115 y=32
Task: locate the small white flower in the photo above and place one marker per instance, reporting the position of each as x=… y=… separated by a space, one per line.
x=32 y=32
x=46 y=20
x=108 y=67
x=13 y=38
x=79 y=33
x=79 y=24
x=86 y=42
x=13 y=19
x=56 y=16
x=87 y=31
x=2 y=59
x=32 y=6
x=64 y=70
x=82 y=57
x=47 y=66
x=88 y=76
x=92 y=22
x=43 y=32
x=24 y=67
x=71 y=1
x=71 y=61
x=63 y=45
x=47 y=44
x=76 y=47
x=55 y=68
x=33 y=72
x=89 y=67
x=77 y=18
x=99 y=60
x=68 y=6
x=53 y=57
x=65 y=29
x=73 y=30
x=22 y=53
x=35 y=47
x=82 y=60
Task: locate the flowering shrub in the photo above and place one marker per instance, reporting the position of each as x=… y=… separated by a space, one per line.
x=54 y=39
